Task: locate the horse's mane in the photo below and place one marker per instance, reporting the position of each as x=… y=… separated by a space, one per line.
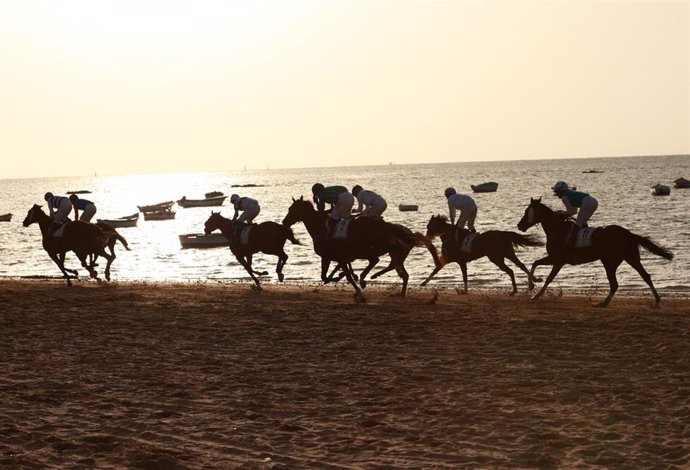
x=552 y=212
x=440 y=217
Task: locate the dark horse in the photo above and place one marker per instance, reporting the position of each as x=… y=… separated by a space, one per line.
x=612 y=245
x=82 y=238
x=266 y=237
x=495 y=244
x=368 y=238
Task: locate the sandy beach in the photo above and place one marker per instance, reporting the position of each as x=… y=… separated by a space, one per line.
x=154 y=376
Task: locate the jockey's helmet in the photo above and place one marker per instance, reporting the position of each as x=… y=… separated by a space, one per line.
x=48 y=195
x=560 y=187
x=449 y=192
x=234 y=198
x=356 y=189
x=317 y=188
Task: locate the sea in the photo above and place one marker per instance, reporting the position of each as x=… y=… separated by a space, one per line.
x=620 y=184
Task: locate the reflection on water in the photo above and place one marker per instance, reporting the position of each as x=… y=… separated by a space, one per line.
x=623 y=191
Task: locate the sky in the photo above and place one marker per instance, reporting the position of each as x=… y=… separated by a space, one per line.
x=121 y=87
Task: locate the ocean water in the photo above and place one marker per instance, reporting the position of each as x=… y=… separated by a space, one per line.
x=622 y=189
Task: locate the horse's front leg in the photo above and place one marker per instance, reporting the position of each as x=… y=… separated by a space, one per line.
x=359 y=296
x=250 y=261
x=554 y=271
x=248 y=267
x=372 y=262
x=325 y=263
x=62 y=260
x=59 y=260
x=463 y=268
x=547 y=260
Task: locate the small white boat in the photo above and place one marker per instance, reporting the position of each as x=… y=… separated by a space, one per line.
x=489 y=187
x=200 y=240
x=207 y=202
x=408 y=207
x=161 y=206
x=6 y=217
x=126 y=221
x=681 y=183
x=661 y=190
x=159 y=215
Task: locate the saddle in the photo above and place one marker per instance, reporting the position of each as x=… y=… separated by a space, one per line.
x=340 y=230
x=467 y=242
x=584 y=237
x=58 y=232
x=244 y=234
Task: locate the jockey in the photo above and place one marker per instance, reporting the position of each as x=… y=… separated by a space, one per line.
x=59 y=207
x=250 y=208
x=467 y=206
x=88 y=208
x=373 y=204
x=340 y=199
x=573 y=200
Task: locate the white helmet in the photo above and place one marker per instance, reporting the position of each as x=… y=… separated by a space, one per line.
x=560 y=186
x=234 y=198
x=449 y=192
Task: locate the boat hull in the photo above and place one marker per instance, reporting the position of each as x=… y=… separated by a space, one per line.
x=199 y=240
x=485 y=187
x=208 y=202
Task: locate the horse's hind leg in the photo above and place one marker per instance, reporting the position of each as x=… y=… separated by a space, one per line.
x=248 y=267
x=530 y=278
x=635 y=262
x=611 y=266
x=362 y=277
x=500 y=262
x=282 y=259
x=62 y=260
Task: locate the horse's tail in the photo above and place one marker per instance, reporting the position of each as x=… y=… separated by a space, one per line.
x=518 y=239
x=290 y=235
x=403 y=237
x=653 y=247
x=122 y=240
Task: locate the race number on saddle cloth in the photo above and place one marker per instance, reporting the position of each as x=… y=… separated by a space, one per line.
x=467 y=242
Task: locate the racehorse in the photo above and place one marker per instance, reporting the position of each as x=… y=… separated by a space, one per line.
x=368 y=238
x=82 y=238
x=495 y=244
x=611 y=244
x=266 y=237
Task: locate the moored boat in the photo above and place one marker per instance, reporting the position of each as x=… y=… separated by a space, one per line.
x=207 y=202
x=159 y=215
x=408 y=207
x=681 y=183
x=5 y=217
x=161 y=206
x=214 y=194
x=120 y=222
x=200 y=240
x=489 y=187
x=661 y=190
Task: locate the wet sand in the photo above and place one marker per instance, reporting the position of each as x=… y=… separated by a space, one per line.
x=150 y=376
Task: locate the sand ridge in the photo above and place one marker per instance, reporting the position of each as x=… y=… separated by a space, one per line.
x=157 y=376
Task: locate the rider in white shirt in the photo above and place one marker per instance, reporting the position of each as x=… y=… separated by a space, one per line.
x=466 y=206
x=249 y=207
x=371 y=203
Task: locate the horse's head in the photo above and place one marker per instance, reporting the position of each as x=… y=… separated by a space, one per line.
x=535 y=213
x=214 y=222
x=298 y=211
x=438 y=225
x=34 y=215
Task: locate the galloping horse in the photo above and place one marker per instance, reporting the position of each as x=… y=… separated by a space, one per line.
x=611 y=244
x=368 y=238
x=82 y=238
x=495 y=244
x=266 y=237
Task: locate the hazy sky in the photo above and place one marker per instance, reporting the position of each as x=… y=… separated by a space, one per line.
x=144 y=86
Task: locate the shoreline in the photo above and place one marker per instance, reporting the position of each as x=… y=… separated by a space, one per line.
x=135 y=375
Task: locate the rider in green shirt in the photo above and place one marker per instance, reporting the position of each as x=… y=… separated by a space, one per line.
x=575 y=202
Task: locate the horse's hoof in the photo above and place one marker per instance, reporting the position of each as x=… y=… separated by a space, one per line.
x=281 y=277
x=363 y=284
x=512 y=293
x=537 y=279
x=359 y=298
x=534 y=298
x=602 y=305
x=461 y=292
x=256 y=288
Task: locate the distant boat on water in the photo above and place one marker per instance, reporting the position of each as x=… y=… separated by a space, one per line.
x=6 y=217
x=79 y=191
x=408 y=207
x=681 y=183
x=489 y=187
x=120 y=222
x=200 y=240
x=207 y=202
